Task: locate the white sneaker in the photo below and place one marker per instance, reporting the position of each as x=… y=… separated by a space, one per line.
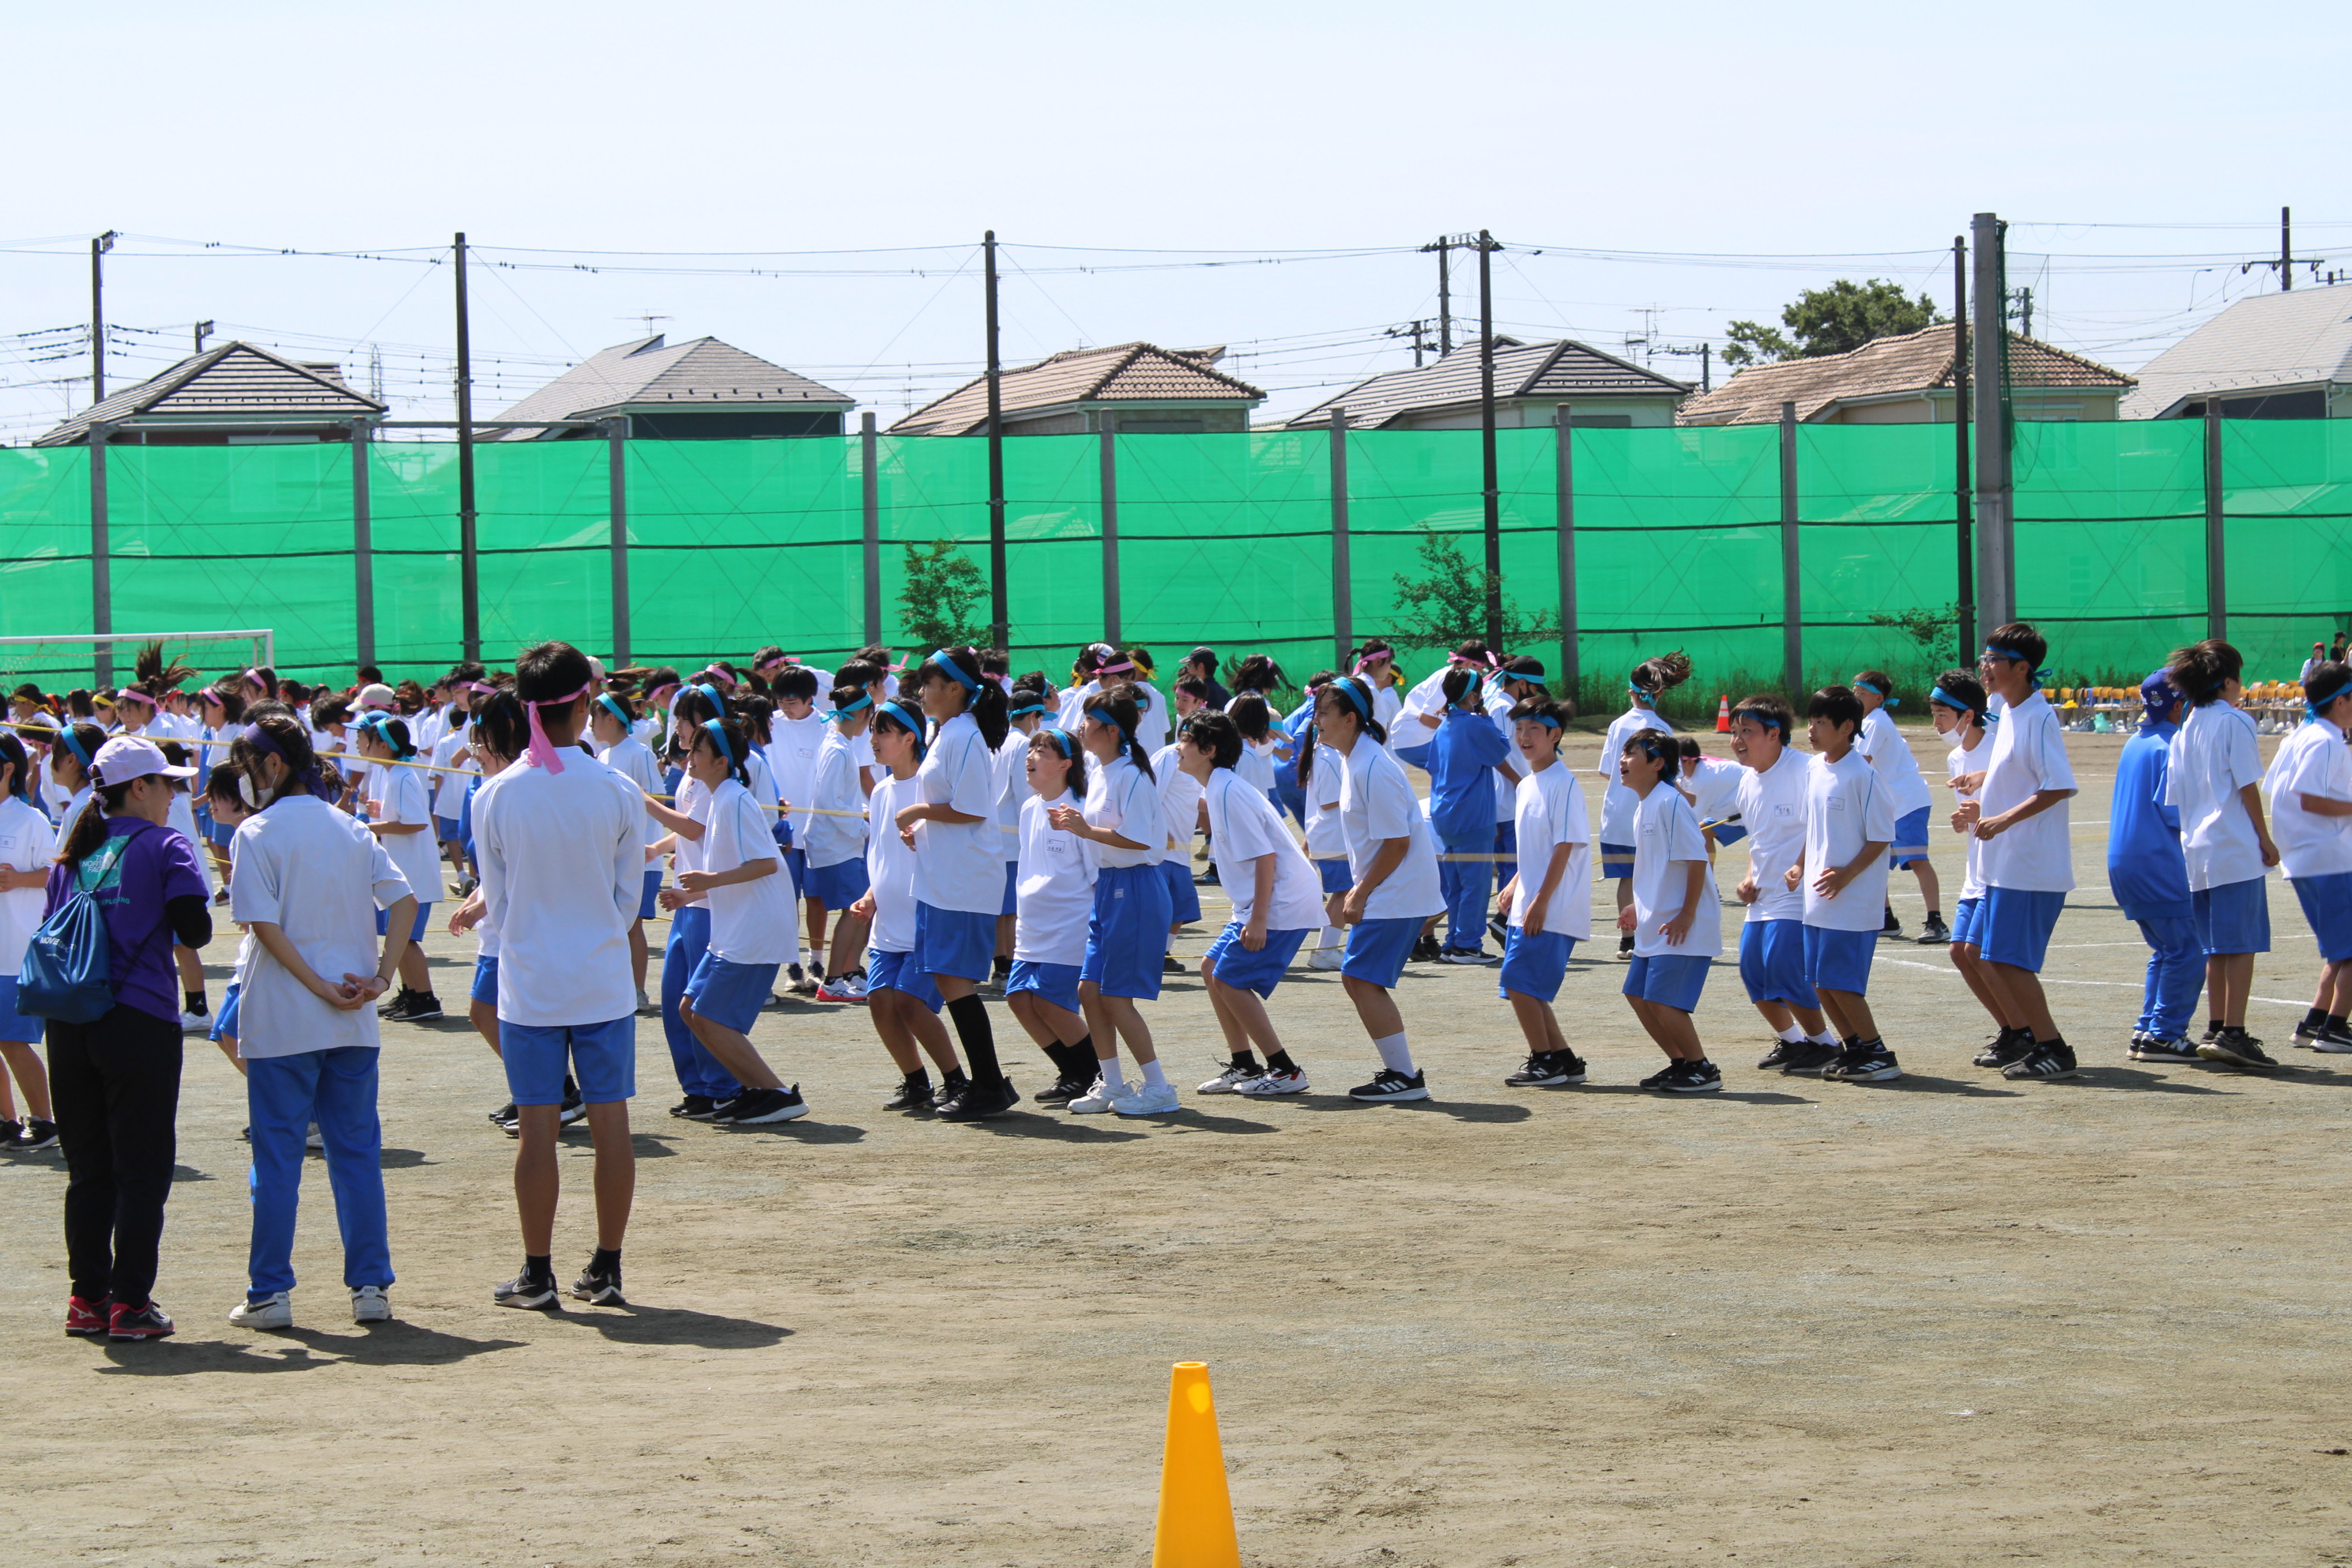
x=854 y=987
x=1327 y=958
x=1100 y=1098
x=646 y=1005
x=1266 y=1085
x=371 y=1305
x=195 y=1023
x=314 y=1139
x=1230 y=1081
x=1147 y=1101
x=272 y=1311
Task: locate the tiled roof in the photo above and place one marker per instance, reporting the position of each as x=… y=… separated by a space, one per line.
x=235 y=381
x=1124 y=373
x=2294 y=338
x=1564 y=369
x=704 y=373
x=1913 y=362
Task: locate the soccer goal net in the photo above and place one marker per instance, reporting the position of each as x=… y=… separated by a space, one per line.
x=60 y=664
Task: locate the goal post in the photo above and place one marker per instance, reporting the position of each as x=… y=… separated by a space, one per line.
x=104 y=659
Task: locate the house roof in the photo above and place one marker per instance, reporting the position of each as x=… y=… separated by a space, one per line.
x=1913 y=361
x=235 y=381
x=1566 y=370
x=2296 y=338
x=1123 y=373
x=702 y=373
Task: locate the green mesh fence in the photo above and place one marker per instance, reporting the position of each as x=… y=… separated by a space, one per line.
x=1224 y=540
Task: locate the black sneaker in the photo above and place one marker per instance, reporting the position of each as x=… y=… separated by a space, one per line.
x=147 y=1321
x=1893 y=927
x=1810 y=1058
x=503 y=1114
x=422 y=1005
x=599 y=1290
x=392 y=1009
x=11 y=1134
x=1063 y=1091
x=2008 y=1046
x=1548 y=1070
x=1864 y=1062
x=1782 y=1053
x=695 y=1108
x=2306 y=1031
x=1171 y=965
x=981 y=1100
x=525 y=1292
x=39 y=1134
x=2331 y=1039
x=2050 y=1058
x=765 y=1107
x=2239 y=1049
x=1470 y=956
x=914 y=1093
x=2212 y=1032
x=952 y=1084
x=1935 y=933
x=1660 y=1079
x=1502 y=929
x=1426 y=951
x=1701 y=1077
x=1390 y=1084
x=1625 y=948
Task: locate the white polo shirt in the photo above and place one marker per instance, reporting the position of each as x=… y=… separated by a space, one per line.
x=1963 y=761
x=1847 y=806
x=1773 y=809
x=1180 y=807
x=310 y=869
x=1121 y=798
x=2213 y=757
x=400 y=795
x=1890 y=755
x=2312 y=761
x=1243 y=827
x=832 y=839
x=890 y=865
x=1377 y=803
x=1549 y=807
x=1056 y=893
x=1325 y=780
x=562 y=860
x=959 y=865
x=1666 y=838
x=2028 y=755
x=751 y=922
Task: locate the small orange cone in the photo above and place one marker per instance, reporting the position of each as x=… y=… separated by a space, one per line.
x=1196 y=1512
x=1723 y=715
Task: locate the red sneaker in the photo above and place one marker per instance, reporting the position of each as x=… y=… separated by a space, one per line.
x=141 y=1322
x=85 y=1317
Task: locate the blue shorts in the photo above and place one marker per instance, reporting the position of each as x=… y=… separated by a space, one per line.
x=796 y=864
x=649 y=900
x=2326 y=904
x=730 y=994
x=1839 y=960
x=1772 y=963
x=448 y=829
x=220 y=833
x=2014 y=926
x=1012 y=890
x=1910 y=838
x=424 y=912
x=958 y=942
x=1337 y=878
x=1184 y=897
x=1377 y=950
x=1616 y=860
x=17 y=1027
x=1055 y=982
x=224 y=1020
x=2233 y=918
x=1669 y=979
x=1966 y=916
x=1243 y=970
x=1534 y=965
x=486 y=980
x=1725 y=832
x=837 y=886
x=1126 y=934
x=602 y=1057
x=897 y=972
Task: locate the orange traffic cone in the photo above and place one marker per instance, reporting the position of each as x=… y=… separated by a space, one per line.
x=1723 y=715
x=1196 y=1512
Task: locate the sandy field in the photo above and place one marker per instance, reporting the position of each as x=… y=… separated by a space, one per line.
x=1943 y=1320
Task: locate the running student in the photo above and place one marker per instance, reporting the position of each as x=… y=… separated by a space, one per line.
x=400 y=813
x=1277 y=902
x=27 y=843
x=2020 y=815
x=1676 y=919
x=1463 y=760
x=1550 y=907
x=1056 y=894
x=1651 y=678
x=1899 y=770
x=2215 y=781
x=561 y=838
x=1850 y=820
x=1126 y=931
x=1772 y=935
x=904 y=1003
x=2310 y=783
x=835 y=844
x=1958 y=707
x=1392 y=879
x=613 y=724
x=2149 y=875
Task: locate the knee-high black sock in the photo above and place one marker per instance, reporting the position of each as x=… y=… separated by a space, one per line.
x=978 y=1041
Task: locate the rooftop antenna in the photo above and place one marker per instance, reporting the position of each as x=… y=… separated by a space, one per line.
x=648 y=318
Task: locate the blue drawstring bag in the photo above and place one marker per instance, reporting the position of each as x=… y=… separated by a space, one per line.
x=68 y=968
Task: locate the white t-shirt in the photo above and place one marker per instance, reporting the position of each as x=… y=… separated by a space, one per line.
x=27 y=842
x=1773 y=809
x=2028 y=755
x=890 y=866
x=308 y=869
x=1257 y=765
x=1056 y=890
x=688 y=856
x=180 y=817
x=1326 y=780
x=1012 y=788
x=959 y=864
x=1890 y=755
x=1847 y=804
x=1966 y=760
x=792 y=746
x=1549 y=807
x=563 y=864
x=1121 y=798
x=1071 y=707
x=1152 y=721
x=763 y=785
x=1180 y=806
x=1245 y=826
x=831 y=840
x=2312 y=761
x=449 y=788
x=1507 y=791
x=1377 y=803
x=2213 y=757
x=1617 y=802
x=1713 y=787
x=751 y=922
x=1666 y=838
x=633 y=760
x=400 y=796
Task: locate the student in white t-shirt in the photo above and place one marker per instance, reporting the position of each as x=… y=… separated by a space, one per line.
x=704 y=1080
x=1029 y=703
x=1179 y=816
x=2214 y=778
x=1711 y=784
x=1771 y=803
x=1276 y=904
x=1056 y=896
x=902 y=1001
x=2310 y=783
x=1850 y=820
x=400 y=814
x=1957 y=706
x=613 y=724
x=1322 y=773
x=1676 y=919
x=1651 y=680
x=1550 y=898
x=27 y=844
x=796 y=733
x=1899 y=770
x=834 y=841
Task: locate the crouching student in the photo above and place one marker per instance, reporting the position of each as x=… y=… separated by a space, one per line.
x=1676 y=919
x=2310 y=783
x=2215 y=780
x=2150 y=877
x=1550 y=909
x=1771 y=802
x=1054 y=897
x=1850 y=820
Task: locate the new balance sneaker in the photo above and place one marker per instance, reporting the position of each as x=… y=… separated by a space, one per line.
x=1660 y=1079
x=144 y=1322
x=1548 y=1070
x=86 y=1319
x=1231 y=1080
x=2047 y=1059
x=39 y=1133
x=275 y=1311
x=1100 y=1098
x=1327 y=958
x=2009 y=1047
x=1470 y=956
x=1149 y=1101
x=371 y=1305
x=2331 y=1039
x=1700 y=1077
x=525 y=1292
x=1935 y=933
x=693 y=1108
x=1389 y=1084
x=952 y=1084
x=1273 y=1082
x=914 y=1093
x=599 y=1290
x=981 y=1100
x=2239 y=1049
x=1867 y=1062
x=764 y=1107
x=2165 y=1049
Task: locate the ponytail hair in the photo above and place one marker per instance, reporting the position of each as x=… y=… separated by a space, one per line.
x=895 y=713
x=86 y=833
x=1257 y=673
x=392 y=733
x=982 y=698
x=2202 y=668
x=1459 y=683
x=1654 y=677
x=1355 y=694
x=728 y=738
x=1121 y=707
x=1253 y=719
x=13 y=753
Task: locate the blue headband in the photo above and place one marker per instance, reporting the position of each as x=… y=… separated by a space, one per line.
x=1885 y=701
x=66 y=734
x=1546 y=720
x=615 y=708
x=711 y=692
x=1647 y=699
x=1030 y=707
x=1061 y=742
x=940 y=657
x=865 y=699
x=382 y=724
x=1997 y=651
x=1949 y=700
x=717 y=733
x=907 y=718
x=1347 y=685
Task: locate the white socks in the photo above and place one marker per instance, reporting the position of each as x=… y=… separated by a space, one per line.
x=1112 y=1079
x=1827 y=1037
x=1792 y=1035
x=1152 y=1077
x=1332 y=940
x=1393 y=1053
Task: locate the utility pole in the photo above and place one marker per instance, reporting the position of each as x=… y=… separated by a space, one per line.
x=1965 y=604
x=1494 y=488
x=1418 y=330
x=1996 y=585
x=98 y=247
x=2023 y=299
x=998 y=615
x=204 y=331
x=470 y=580
x=1442 y=245
x=2285 y=262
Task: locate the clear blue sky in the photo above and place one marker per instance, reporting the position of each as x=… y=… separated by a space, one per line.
x=1795 y=144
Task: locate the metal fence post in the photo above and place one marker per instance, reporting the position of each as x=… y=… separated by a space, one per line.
x=2217 y=554
x=616 y=436
x=869 y=446
x=1792 y=615
x=1110 y=420
x=1564 y=524
x=362 y=544
x=1343 y=630
x=101 y=565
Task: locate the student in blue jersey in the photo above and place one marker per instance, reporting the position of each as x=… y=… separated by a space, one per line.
x=1651 y=678
x=1899 y=770
x=1549 y=900
x=2310 y=781
x=2215 y=781
x=2150 y=877
x=613 y=725
x=1957 y=708
x=1771 y=804
x=1464 y=759
x=1675 y=918
x=1056 y=897
x=901 y=1000
x=1850 y=820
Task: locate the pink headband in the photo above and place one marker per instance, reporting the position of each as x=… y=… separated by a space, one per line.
x=719 y=675
x=541 y=751
x=255 y=677
x=766 y=665
x=483 y=686
x=133 y=691
x=1124 y=664
x=654 y=693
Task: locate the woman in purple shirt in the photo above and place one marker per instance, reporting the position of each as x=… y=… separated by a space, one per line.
x=116 y=1079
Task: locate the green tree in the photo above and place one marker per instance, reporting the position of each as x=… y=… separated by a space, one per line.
x=1448 y=607
x=1831 y=321
x=1932 y=629
x=942 y=591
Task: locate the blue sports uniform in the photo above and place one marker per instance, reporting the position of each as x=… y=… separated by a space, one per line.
x=1462 y=759
x=2150 y=877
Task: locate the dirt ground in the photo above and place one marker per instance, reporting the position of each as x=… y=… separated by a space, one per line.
x=1943 y=1320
